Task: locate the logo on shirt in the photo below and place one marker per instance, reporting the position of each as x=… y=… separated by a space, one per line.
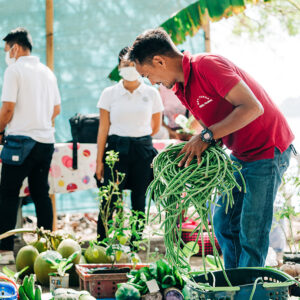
x=145 y=99
x=205 y=99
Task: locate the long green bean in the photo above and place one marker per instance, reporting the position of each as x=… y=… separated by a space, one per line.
x=197 y=186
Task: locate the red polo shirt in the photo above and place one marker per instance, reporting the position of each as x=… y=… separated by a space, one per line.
x=207 y=80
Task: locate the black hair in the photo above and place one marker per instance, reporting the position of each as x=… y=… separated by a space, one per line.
x=122 y=53
x=150 y=43
x=19 y=36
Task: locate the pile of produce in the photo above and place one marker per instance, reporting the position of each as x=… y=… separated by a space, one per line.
x=28 y=291
x=176 y=189
x=69 y=294
x=160 y=271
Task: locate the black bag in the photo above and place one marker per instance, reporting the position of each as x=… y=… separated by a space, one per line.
x=84 y=129
x=16 y=149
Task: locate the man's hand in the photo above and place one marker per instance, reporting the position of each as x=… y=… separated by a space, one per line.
x=195 y=147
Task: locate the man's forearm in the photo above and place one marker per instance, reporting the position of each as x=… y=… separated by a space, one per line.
x=237 y=119
x=5 y=117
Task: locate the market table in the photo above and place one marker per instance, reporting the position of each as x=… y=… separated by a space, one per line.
x=64 y=179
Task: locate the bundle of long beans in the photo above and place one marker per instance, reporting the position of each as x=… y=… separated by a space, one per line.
x=198 y=186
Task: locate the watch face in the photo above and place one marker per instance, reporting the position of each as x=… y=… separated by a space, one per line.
x=207 y=136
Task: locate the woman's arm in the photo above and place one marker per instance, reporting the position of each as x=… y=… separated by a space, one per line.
x=101 y=141
x=156 y=122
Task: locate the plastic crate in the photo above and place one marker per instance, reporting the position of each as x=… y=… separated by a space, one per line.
x=102 y=285
x=188 y=228
x=275 y=286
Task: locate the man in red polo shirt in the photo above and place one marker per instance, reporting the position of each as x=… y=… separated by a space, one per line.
x=233 y=107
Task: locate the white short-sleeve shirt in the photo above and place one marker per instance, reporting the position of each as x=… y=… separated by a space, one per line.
x=33 y=87
x=130 y=113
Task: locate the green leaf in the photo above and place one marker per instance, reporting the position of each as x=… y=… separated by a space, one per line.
x=190 y=249
x=189 y=20
x=68 y=267
x=18 y=274
x=8 y=272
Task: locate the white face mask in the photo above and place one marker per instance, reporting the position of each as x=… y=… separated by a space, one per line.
x=129 y=73
x=9 y=60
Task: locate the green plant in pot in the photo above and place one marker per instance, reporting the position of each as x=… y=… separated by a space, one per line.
x=60 y=279
x=289 y=189
x=124 y=235
x=123 y=232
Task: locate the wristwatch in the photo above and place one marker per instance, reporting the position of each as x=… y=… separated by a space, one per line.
x=207 y=136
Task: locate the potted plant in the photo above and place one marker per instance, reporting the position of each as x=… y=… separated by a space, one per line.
x=60 y=279
x=123 y=233
x=286 y=211
x=108 y=259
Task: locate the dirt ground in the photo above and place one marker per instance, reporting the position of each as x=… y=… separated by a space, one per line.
x=83 y=227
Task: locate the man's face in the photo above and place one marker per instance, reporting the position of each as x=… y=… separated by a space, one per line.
x=11 y=50
x=158 y=72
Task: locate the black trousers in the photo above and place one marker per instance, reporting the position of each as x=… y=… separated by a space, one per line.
x=36 y=167
x=135 y=160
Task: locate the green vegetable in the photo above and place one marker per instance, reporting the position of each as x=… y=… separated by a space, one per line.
x=127 y=292
x=29 y=289
x=178 y=278
x=176 y=189
x=22 y=293
x=153 y=270
x=168 y=281
x=161 y=271
x=145 y=274
x=38 y=293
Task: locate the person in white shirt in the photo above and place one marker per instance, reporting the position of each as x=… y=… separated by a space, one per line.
x=30 y=103
x=130 y=113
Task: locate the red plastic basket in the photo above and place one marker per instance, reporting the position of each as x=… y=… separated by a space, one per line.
x=102 y=285
x=188 y=228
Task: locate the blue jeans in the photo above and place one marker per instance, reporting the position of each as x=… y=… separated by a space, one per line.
x=243 y=233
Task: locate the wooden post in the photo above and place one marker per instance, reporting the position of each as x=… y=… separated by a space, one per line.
x=49 y=34
x=53 y=200
x=206 y=28
x=50 y=64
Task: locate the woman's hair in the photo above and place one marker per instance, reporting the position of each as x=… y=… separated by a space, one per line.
x=150 y=43
x=122 y=53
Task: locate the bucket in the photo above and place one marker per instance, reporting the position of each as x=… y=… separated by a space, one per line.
x=8 y=290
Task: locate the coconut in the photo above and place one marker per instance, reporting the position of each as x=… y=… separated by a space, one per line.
x=96 y=254
x=40 y=245
x=26 y=258
x=67 y=247
x=42 y=268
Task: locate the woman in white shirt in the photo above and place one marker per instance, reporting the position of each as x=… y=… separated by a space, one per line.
x=130 y=113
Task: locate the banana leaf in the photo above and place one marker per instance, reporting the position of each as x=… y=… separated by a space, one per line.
x=190 y=19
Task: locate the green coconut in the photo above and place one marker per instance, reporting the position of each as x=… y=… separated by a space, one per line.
x=26 y=258
x=42 y=268
x=96 y=255
x=40 y=245
x=67 y=247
